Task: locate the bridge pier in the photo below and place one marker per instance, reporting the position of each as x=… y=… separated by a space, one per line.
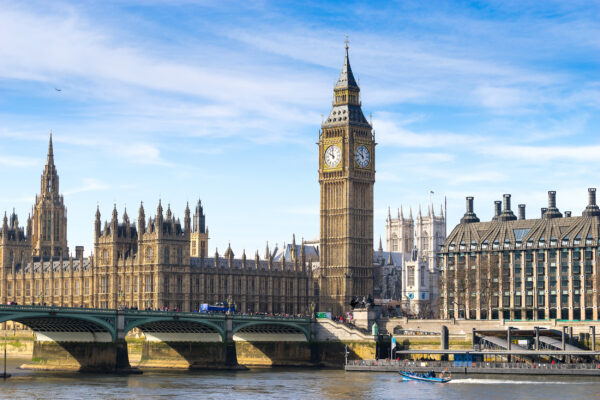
x=80 y=356
x=187 y=355
x=79 y=339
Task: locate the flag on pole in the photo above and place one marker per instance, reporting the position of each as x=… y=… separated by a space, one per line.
x=393 y=347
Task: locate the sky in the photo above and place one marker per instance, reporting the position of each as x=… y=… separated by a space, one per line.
x=222 y=101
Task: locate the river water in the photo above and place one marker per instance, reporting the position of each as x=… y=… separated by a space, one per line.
x=283 y=384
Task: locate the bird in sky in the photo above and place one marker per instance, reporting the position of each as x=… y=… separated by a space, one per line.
x=58 y=90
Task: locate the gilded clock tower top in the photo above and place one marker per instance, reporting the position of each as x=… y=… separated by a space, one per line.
x=346 y=99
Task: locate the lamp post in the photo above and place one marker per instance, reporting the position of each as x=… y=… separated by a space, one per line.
x=229 y=301
x=312 y=309
x=5 y=344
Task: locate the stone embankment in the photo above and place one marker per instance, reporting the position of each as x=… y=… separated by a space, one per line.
x=465 y=326
x=327 y=348
x=476 y=368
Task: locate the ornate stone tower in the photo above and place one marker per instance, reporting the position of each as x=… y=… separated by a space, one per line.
x=199 y=233
x=346 y=179
x=49 y=215
x=400 y=233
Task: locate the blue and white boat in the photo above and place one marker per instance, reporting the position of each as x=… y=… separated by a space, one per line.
x=425 y=377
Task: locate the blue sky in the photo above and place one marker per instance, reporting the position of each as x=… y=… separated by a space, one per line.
x=223 y=101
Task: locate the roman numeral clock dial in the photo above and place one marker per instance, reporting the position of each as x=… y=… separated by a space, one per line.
x=333 y=155
x=363 y=157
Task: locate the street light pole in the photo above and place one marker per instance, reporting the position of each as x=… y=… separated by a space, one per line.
x=5 y=345
x=346 y=354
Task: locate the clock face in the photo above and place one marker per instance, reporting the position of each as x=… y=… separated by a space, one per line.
x=362 y=156
x=333 y=156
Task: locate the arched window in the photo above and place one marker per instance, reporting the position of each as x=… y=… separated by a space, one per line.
x=179 y=255
x=167 y=255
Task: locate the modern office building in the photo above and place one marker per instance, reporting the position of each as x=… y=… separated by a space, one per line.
x=518 y=268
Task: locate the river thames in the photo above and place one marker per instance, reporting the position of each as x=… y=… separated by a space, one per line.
x=282 y=384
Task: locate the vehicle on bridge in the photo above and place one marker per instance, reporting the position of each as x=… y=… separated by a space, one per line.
x=219 y=308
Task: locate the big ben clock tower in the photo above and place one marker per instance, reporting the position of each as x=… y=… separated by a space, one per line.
x=346 y=179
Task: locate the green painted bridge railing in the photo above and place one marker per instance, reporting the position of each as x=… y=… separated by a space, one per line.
x=119 y=322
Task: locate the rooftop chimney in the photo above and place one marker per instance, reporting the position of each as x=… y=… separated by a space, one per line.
x=544 y=210
x=592 y=209
x=521 y=211
x=552 y=211
x=470 y=215
x=497 y=209
x=567 y=214
x=506 y=202
x=78 y=252
x=551 y=199
x=507 y=214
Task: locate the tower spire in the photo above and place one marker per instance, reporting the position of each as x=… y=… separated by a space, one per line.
x=50 y=157
x=346 y=79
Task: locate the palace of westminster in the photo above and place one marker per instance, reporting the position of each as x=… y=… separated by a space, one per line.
x=156 y=262
x=508 y=268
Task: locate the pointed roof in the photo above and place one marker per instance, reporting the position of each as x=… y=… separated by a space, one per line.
x=50 y=157
x=346 y=79
x=347 y=106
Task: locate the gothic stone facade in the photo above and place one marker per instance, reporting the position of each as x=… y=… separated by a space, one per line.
x=518 y=268
x=346 y=179
x=148 y=264
x=417 y=242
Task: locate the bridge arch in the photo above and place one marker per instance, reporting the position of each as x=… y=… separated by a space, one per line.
x=175 y=324
x=57 y=322
x=285 y=327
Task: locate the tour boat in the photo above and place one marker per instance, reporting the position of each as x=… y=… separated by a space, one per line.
x=426 y=377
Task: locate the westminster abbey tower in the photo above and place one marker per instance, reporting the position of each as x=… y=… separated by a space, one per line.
x=346 y=178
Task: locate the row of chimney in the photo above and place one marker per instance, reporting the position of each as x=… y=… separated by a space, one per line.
x=506 y=214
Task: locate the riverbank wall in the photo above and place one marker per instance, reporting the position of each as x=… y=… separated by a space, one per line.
x=478 y=368
x=188 y=355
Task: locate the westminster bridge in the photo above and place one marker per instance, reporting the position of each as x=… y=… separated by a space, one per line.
x=89 y=339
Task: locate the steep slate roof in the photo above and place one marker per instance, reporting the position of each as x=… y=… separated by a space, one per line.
x=550 y=231
x=311 y=252
x=346 y=113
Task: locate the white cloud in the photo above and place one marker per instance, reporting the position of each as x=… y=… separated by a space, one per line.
x=499 y=97
x=391 y=133
x=88 y=185
x=17 y=161
x=539 y=154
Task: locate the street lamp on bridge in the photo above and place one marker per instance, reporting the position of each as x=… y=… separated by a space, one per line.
x=229 y=301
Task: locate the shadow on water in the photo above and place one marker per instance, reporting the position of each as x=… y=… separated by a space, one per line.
x=283 y=383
